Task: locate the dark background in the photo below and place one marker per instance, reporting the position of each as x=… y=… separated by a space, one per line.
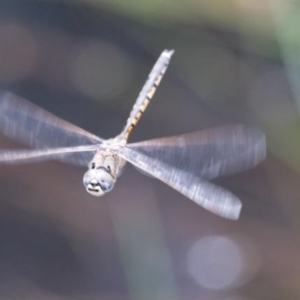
x=86 y=61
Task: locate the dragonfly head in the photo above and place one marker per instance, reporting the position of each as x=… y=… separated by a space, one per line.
x=98 y=181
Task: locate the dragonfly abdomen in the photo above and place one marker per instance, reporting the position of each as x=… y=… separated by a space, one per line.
x=147 y=92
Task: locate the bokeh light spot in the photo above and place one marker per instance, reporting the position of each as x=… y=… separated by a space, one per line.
x=215 y=262
x=99 y=70
x=211 y=73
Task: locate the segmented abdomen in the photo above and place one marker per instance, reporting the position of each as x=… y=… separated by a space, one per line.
x=147 y=92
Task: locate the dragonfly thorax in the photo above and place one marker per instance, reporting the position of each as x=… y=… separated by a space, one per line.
x=113 y=144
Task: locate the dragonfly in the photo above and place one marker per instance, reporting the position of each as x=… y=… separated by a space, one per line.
x=184 y=162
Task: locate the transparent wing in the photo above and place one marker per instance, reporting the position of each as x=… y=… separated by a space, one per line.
x=183 y=162
x=213 y=198
x=209 y=153
x=31 y=125
x=29 y=156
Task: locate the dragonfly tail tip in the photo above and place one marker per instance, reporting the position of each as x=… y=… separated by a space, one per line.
x=168 y=53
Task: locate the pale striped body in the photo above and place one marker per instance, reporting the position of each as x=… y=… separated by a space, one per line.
x=183 y=162
x=106 y=159
x=147 y=93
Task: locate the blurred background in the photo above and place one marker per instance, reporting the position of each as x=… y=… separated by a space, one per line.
x=235 y=61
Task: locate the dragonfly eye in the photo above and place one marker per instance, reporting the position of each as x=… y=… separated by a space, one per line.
x=105 y=180
x=97 y=182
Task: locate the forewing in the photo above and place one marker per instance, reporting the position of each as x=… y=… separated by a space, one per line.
x=31 y=125
x=30 y=156
x=209 y=153
x=213 y=198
